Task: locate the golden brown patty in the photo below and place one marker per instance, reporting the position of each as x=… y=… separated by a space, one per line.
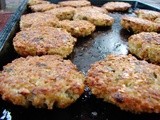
x=116 y=6
x=35 y=2
x=73 y=3
x=43 y=7
x=43 y=81
x=78 y=28
x=147 y=14
x=44 y=40
x=63 y=12
x=37 y=19
x=146 y=45
x=139 y=25
x=94 y=16
x=130 y=84
x=95 y=8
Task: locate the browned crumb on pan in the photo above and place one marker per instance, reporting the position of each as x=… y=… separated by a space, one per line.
x=37 y=19
x=139 y=25
x=131 y=84
x=147 y=14
x=145 y=45
x=63 y=12
x=43 y=82
x=44 y=40
x=75 y=4
x=78 y=28
x=116 y=6
x=43 y=7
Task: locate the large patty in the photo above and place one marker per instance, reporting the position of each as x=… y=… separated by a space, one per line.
x=131 y=84
x=41 y=81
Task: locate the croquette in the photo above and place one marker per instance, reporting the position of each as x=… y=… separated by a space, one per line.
x=75 y=4
x=145 y=45
x=139 y=25
x=126 y=82
x=63 y=12
x=78 y=28
x=43 y=7
x=116 y=6
x=44 y=40
x=95 y=17
x=35 y=2
x=147 y=14
x=37 y=19
x=43 y=82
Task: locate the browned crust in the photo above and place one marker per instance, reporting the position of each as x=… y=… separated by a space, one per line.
x=78 y=28
x=43 y=81
x=116 y=6
x=37 y=19
x=43 y=7
x=145 y=45
x=130 y=84
x=147 y=14
x=75 y=4
x=44 y=40
x=139 y=25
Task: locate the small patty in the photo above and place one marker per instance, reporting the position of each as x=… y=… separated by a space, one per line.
x=116 y=6
x=37 y=19
x=95 y=17
x=95 y=8
x=75 y=4
x=43 y=82
x=131 y=84
x=145 y=45
x=78 y=28
x=147 y=14
x=63 y=12
x=35 y=2
x=44 y=40
x=43 y=7
x=139 y=25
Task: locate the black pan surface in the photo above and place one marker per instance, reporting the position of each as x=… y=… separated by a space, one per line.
x=104 y=41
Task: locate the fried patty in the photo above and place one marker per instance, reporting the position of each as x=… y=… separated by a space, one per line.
x=139 y=25
x=44 y=40
x=78 y=28
x=37 y=19
x=95 y=8
x=147 y=14
x=131 y=84
x=63 y=12
x=75 y=4
x=94 y=16
x=35 y=2
x=43 y=7
x=116 y=6
x=145 y=45
x=45 y=81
